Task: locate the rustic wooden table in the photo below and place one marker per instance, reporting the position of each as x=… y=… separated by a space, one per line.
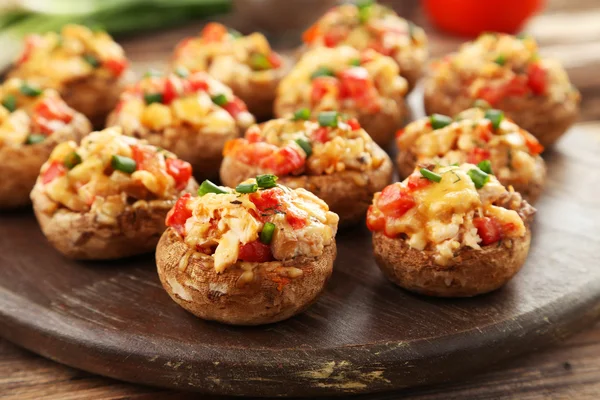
x=567 y=30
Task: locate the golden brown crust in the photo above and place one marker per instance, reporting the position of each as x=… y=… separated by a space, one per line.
x=469 y=273
x=231 y=299
x=82 y=236
x=20 y=165
x=348 y=193
x=543 y=118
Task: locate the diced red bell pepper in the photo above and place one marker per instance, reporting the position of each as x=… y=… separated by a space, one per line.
x=334 y=36
x=321 y=134
x=323 y=85
x=235 y=107
x=253 y=134
x=116 y=66
x=394 y=202
x=179 y=214
x=296 y=217
x=537 y=79
x=274 y=59
x=477 y=155
x=267 y=200
x=488 y=230
x=311 y=34
x=416 y=182
x=354 y=124
x=55 y=170
x=255 y=252
x=196 y=82
x=532 y=143
x=284 y=161
x=517 y=87
x=143 y=157
x=170 y=91
x=354 y=82
x=214 y=32
x=51 y=114
x=180 y=170
x=375 y=219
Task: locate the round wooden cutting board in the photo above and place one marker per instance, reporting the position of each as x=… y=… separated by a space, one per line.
x=363 y=335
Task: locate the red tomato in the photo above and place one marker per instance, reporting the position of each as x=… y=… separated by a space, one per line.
x=488 y=230
x=255 y=252
x=375 y=219
x=532 y=143
x=311 y=34
x=296 y=217
x=472 y=17
x=515 y=87
x=477 y=155
x=284 y=161
x=416 y=182
x=170 y=91
x=354 y=124
x=253 y=134
x=235 y=106
x=354 y=82
x=30 y=43
x=179 y=214
x=143 y=157
x=213 y=32
x=55 y=170
x=274 y=60
x=267 y=200
x=49 y=115
x=321 y=134
x=197 y=82
x=322 y=86
x=335 y=35
x=537 y=80
x=116 y=66
x=394 y=202
x=180 y=170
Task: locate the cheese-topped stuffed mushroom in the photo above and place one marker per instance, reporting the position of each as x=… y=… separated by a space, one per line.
x=368 y=25
x=330 y=156
x=192 y=115
x=247 y=64
x=32 y=122
x=252 y=255
x=86 y=67
x=450 y=231
x=365 y=86
x=509 y=74
x=108 y=198
x=477 y=136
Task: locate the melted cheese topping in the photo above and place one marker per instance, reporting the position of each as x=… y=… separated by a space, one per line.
x=471 y=138
x=221 y=223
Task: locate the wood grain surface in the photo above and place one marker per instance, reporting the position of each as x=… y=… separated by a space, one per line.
x=572 y=370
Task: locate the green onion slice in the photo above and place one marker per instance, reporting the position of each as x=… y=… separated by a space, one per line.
x=182 y=72
x=260 y=62
x=364 y=3
x=355 y=62
x=35 y=138
x=150 y=98
x=267 y=233
x=306 y=146
x=322 y=71
x=302 y=114
x=328 y=119
x=92 y=60
x=246 y=188
x=485 y=166
x=220 y=100
x=10 y=102
x=500 y=60
x=266 y=181
x=432 y=176
x=495 y=116
x=72 y=159
x=478 y=177
x=439 y=121
x=123 y=164
x=209 y=187
x=29 y=90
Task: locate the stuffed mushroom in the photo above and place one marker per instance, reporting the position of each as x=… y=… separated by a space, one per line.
x=256 y=254
x=192 y=115
x=32 y=122
x=508 y=73
x=333 y=158
x=86 y=67
x=478 y=136
x=368 y=25
x=364 y=85
x=450 y=231
x=247 y=64
x=108 y=198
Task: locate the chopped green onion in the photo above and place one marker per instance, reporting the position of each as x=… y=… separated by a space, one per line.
x=35 y=138
x=478 y=177
x=10 y=102
x=266 y=181
x=322 y=71
x=92 y=60
x=209 y=187
x=439 y=121
x=29 y=90
x=123 y=164
x=267 y=233
x=432 y=176
x=72 y=159
x=364 y=13
x=306 y=146
x=328 y=118
x=151 y=73
x=234 y=33
x=302 y=114
x=260 y=62
x=220 y=100
x=495 y=116
x=246 y=188
x=150 y=98
x=500 y=60
x=355 y=62
x=485 y=166
x=364 y=3
x=182 y=72
x=480 y=103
